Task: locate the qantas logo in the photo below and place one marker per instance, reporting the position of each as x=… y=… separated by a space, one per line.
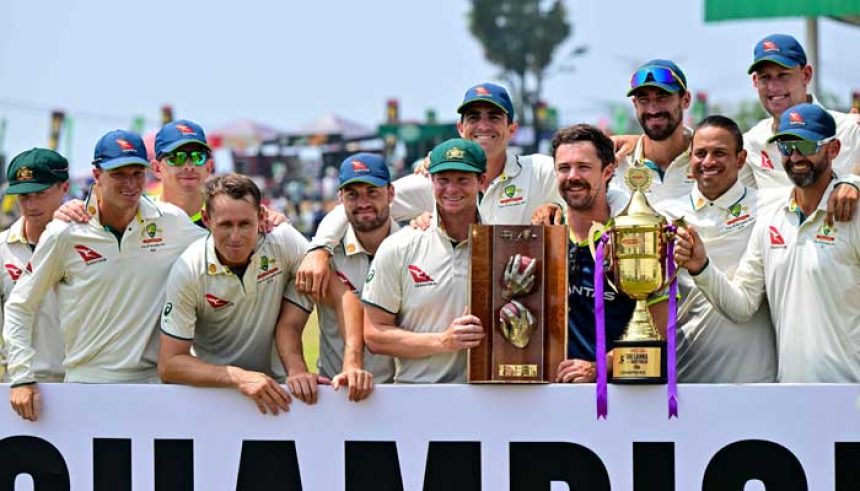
x=185 y=130
x=769 y=46
x=795 y=118
x=343 y=279
x=215 y=302
x=88 y=255
x=359 y=166
x=481 y=91
x=776 y=239
x=124 y=145
x=419 y=277
x=766 y=163
x=14 y=271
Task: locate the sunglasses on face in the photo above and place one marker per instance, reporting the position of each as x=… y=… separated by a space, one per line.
x=178 y=159
x=804 y=147
x=655 y=74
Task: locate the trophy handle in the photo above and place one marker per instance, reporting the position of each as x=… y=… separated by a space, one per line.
x=598 y=229
x=670 y=235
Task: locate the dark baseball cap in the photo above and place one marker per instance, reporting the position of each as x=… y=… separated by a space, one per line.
x=492 y=93
x=781 y=49
x=364 y=167
x=805 y=121
x=119 y=148
x=457 y=154
x=663 y=74
x=177 y=133
x=36 y=170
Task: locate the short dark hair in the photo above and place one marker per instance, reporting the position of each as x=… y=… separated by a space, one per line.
x=586 y=133
x=233 y=185
x=463 y=113
x=726 y=123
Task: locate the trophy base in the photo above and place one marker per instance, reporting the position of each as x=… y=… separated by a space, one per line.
x=639 y=362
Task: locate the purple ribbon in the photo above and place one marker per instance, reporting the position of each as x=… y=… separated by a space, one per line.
x=671 y=369
x=600 y=329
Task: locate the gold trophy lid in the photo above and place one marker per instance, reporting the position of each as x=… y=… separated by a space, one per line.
x=638 y=212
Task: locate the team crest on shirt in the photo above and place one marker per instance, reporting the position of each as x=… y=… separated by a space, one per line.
x=513 y=196
x=737 y=216
x=151 y=236
x=268 y=268
x=766 y=163
x=13 y=271
x=826 y=235
x=419 y=277
x=776 y=240
x=89 y=256
x=215 y=302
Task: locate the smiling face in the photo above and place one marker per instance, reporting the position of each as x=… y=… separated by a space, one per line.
x=659 y=112
x=488 y=126
x=805 y=171
x=779 y=88
x=580 y=175
x=121 y=187
x=715 y=160
x=456 y=192
x=367 y=207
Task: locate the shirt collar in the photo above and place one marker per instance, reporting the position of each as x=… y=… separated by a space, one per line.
x=439 y=227
x=725 y=201
x=213 y=264
x=351 y=244
x=639 y=149
x=16 y=233
x=512 y=168
x=146 y=209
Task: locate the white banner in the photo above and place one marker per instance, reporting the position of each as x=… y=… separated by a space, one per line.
x=443 y=438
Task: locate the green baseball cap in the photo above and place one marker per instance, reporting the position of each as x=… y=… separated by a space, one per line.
x=458 y=154
x=36 y=170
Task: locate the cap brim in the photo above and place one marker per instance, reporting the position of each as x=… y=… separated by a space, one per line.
x=672 y=89
x=122 y=162
x=780 y=60
x=453 y=165
x=481 y=99
x=178 y=143
x=798 y=133
x=28 y=187
x=373 y=181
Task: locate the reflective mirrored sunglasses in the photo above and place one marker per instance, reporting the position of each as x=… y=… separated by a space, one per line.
x=656 y=74
x=178 y=159
x=803 y=147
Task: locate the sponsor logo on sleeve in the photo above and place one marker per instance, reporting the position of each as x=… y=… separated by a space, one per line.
x=766 y=163
x=13 y=271
x=215 y=302
x=88 y=255
x=419 y=277
x=776 y=240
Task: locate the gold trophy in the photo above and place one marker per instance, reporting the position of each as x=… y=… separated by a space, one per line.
x=638 y=239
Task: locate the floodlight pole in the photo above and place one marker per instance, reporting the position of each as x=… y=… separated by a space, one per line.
x=812 y=52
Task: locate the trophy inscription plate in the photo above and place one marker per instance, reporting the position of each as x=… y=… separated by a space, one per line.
x=518 y=288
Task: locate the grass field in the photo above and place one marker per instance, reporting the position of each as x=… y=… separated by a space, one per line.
x=311 y=341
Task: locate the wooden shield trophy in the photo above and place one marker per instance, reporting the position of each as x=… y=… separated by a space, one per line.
x=518 y=288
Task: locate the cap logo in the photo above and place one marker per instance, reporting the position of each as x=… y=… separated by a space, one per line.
x=482 y=91
x=455 y=153
x=795 y=118
x=359 y=166
x=124 y=145
x=184 y=129
x=24 y=174
x=769 y=46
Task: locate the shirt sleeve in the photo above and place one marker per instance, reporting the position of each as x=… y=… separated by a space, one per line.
x=544 y=172
x=740 y=298
x=295 y=246
x=179 y=314
x=383 y=286
x=330 y=230
x=413 y=195
x=47 y=264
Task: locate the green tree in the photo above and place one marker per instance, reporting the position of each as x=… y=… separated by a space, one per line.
x=521 y=37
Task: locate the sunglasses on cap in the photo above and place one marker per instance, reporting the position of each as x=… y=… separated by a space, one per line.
x=804 y=147
x=656 y=74
x=178 y=159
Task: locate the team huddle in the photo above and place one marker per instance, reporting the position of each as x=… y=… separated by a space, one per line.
x=208 y=287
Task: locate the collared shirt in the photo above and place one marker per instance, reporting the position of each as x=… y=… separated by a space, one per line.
x=422 y=278
x=232 y=320
x=526 y=183
x=672 y=183
x=764 y=167
x=351 y=263
x=711 y=347
x=110 y=293
x=15 y=252
x=810 y=273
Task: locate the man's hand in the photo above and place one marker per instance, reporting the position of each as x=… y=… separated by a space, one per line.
x=624 y=145
x=423 y=166
x=422 y=221
x=271 y=219
x=548 y=214
x=262 y=389
x=26 y=401
x=464 y=332
x=313 y=274
x=689 y=251
x=359 y=382
x=303 y=385
x=576 y=371
x=842 y=203
x=72 y=211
